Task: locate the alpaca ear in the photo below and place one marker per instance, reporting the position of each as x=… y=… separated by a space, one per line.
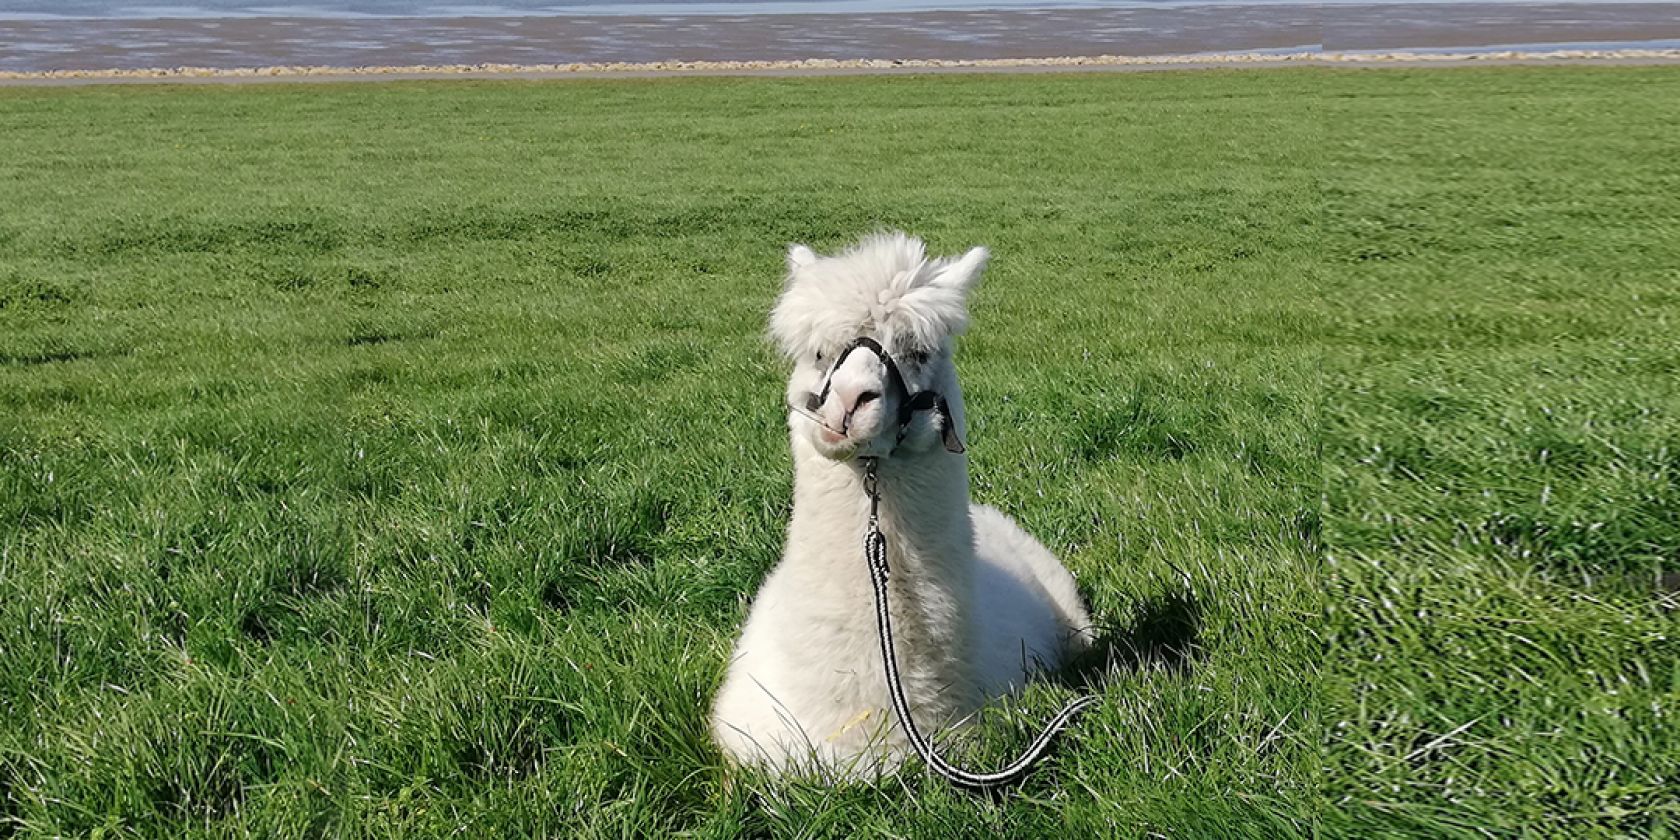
x=965 y=272
x=799 y=256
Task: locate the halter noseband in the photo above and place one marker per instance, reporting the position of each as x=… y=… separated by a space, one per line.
x=908 y=403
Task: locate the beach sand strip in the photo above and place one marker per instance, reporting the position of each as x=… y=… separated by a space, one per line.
x=829 y=67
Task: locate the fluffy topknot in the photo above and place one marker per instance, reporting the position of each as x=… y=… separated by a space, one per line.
x=885 y=286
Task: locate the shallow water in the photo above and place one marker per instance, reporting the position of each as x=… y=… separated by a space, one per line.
x=36 y=35
x=142 y=10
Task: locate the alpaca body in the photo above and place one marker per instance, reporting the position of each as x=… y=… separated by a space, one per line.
x=977 y=605
x=1028 y=612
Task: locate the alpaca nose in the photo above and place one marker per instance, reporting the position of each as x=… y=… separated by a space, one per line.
x=855 y=383
x=854 y=398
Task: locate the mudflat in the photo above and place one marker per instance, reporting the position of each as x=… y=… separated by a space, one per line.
x=34 y=46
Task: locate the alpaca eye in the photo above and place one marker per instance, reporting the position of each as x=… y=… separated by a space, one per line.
x=920 y=357
x=819 y=357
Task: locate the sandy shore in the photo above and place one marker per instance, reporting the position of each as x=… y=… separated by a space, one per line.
x=839 y=67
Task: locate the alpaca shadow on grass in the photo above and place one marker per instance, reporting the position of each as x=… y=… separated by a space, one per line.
x=1165 y=632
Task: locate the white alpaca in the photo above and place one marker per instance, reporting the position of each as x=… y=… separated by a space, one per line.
x=977 y=604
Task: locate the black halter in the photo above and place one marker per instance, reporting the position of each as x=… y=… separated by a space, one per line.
x=908 y=403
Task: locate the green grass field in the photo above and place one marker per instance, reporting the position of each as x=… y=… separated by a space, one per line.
x=398 y=459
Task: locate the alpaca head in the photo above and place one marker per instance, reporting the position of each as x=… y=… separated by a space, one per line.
x=887 y=289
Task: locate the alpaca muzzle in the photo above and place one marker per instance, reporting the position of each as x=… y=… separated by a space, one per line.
x=908 y=404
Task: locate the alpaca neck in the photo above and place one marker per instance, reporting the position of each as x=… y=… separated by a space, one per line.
x=923 y=510
x=924 y=517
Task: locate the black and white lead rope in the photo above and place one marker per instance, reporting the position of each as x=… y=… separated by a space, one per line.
x=875 y=552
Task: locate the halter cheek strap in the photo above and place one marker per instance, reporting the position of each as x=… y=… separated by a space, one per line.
x=908 y=403
x=923 y=401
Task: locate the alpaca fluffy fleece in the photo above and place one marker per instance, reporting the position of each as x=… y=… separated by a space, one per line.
x=978 y=605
